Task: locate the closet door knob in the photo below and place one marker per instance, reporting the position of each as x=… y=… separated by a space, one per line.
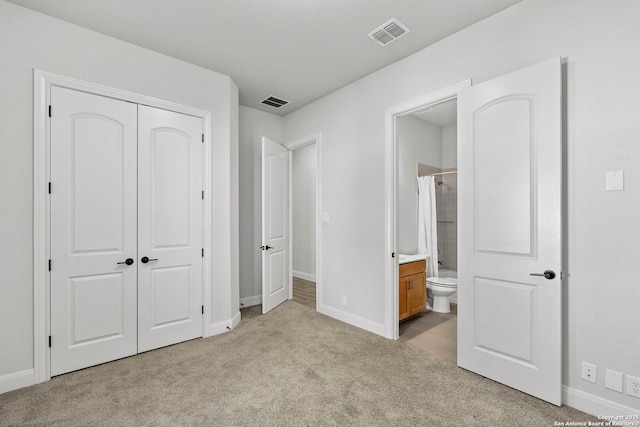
x=145 y=259
x=128 y=261
x=548 y=274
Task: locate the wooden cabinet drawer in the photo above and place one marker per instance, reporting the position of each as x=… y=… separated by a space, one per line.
x=413 y=268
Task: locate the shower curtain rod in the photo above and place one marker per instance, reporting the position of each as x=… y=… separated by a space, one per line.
x=442 y=173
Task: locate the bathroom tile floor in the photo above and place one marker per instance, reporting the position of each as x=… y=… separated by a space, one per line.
x=434 y=333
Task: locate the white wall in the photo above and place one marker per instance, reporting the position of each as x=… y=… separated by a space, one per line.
x=450 y=147
x=304 y=212
x=254 y=124
x=30 y=40
x=600 y=41
x=416 y=142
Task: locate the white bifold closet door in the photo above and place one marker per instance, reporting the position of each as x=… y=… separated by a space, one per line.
x=125 y=185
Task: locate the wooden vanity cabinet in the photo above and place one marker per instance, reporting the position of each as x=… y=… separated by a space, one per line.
x=412 y=287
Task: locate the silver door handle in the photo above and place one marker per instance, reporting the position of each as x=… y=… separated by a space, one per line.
x=548 y=274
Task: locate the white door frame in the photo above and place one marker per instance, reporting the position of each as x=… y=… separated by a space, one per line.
x=292 y=145
x=42 y=82
x=391 y=178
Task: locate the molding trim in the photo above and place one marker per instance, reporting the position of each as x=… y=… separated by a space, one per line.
x=251 y=301
x=42 y=82
x=352 y=319
x=391 y=264
x=235 y=321
x=301 y=142
x=304 y=276
x=595 y=405
x=224 y=326
x=17 y=380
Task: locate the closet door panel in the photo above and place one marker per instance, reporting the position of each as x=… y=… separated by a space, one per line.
x=170 y=227
x=93 y=229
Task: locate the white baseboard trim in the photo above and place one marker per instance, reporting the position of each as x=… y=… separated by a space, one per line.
x=17 y=380
x=595 y=405
x=304 y=276
x=251 y=301
x=235 y=321
x=224 y=326
x=352 y=319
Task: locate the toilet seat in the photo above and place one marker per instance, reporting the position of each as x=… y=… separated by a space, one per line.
x=445 y=282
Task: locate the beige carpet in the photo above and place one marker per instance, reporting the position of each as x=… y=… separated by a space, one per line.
x=292 y=366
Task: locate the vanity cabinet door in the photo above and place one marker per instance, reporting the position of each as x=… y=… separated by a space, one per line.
x=403 y=287
x=417 y=293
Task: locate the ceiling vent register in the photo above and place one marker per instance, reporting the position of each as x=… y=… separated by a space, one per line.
x=274 y=102
x=388 y=32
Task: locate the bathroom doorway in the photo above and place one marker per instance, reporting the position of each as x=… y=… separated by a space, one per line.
x=426 y=227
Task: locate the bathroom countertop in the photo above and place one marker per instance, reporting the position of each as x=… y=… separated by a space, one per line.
x=404 y=258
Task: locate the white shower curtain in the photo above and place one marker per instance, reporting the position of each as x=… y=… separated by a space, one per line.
x=427 y=223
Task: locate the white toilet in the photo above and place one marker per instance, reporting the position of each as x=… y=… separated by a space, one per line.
x=441 y=289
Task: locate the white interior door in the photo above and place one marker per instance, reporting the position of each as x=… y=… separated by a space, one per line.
x=170 y=208
x=510 y=172
x=93 y=230
x=276 y=277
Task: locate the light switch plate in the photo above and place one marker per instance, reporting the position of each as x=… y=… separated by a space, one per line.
x=615 y=181
x=613 y=380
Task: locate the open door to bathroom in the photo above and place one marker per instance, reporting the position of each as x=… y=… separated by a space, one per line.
x=510 y=235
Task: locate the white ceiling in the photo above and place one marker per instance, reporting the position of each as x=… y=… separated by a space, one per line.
x=443 y=114
x=298 y=50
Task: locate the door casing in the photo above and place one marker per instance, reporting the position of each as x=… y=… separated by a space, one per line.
x=391 y=327
x=43 y=81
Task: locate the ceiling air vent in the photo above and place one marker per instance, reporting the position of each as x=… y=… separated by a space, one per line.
x=274 y=102
x=388 y=32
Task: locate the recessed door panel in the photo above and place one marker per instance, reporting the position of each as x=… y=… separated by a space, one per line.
x=171 y=187
x=277 y=271
x=93 y=230
x=499 y=300
x=278 y=186
x=502 y=147
x=170 y=221
x=97 y=183
x=170 y=296
x=91 y=321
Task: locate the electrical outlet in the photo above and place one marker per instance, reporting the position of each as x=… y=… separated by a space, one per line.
x=633 y=386
x=589 y=372
x=344 y=300
x=613 y=380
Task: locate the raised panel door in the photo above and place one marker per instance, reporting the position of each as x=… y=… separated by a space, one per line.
x=93 y=229
x=169 y=227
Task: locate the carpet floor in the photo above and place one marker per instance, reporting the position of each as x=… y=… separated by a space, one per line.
x=291 y=366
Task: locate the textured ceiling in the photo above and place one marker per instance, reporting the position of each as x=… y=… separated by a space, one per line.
x=298 y=50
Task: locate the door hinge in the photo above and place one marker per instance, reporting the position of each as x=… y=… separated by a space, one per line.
x=202 y=194
x=393 y=254
x=49 y=265
x=49 y=187
x=202 y=252
x=49 y=341
x=203 y=309
x=203 y=138
x=49 y=110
